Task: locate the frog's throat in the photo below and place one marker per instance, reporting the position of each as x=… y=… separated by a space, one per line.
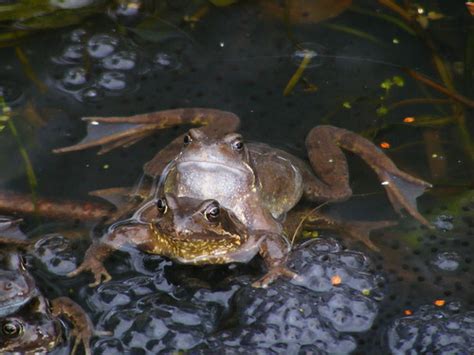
x=204 y=163
x=195 y=250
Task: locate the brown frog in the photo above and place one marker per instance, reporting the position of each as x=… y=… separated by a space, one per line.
x=257 y=182
x=29 y=323
x=197 y=232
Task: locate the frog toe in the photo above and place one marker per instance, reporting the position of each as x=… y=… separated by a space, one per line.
x=273 y=274
x=101 y=276
x=83 y=338
x=403 y=190
x=360 y=230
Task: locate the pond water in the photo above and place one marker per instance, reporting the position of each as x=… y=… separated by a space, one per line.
x=413 y=296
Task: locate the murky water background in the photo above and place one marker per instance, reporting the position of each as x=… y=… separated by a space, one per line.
x=240 y=59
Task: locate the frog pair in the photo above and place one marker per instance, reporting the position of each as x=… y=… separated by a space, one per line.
x=223 y=200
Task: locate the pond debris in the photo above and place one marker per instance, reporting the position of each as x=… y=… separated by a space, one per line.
x=440 y=88
x=336 y=280
x=307 y=56
x=196 y=16
x=303 y=11
x=470 y=7
x=30 y=73
x=439 y=303
x=5 y=116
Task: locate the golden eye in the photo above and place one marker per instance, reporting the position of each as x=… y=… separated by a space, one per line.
x=162 y=206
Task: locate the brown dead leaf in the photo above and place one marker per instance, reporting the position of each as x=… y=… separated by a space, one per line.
x=305 y=11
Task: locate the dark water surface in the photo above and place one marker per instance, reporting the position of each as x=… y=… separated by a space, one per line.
x=240 y=59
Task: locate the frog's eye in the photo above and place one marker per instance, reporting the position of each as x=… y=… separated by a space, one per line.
x=237 y=144
x=162 y=206
x=12 y=328
x=213 y=211
x=187 y=139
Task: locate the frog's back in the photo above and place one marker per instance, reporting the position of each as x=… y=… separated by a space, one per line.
x=280 y=178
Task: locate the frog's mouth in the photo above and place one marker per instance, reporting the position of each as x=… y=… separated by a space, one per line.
x=213 y=165
x=200 y=249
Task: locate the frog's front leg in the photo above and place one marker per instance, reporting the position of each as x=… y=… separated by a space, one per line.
x=274 y=250
x=135 y=235
x=328 y=161
x=114 y=132
x=83 y=329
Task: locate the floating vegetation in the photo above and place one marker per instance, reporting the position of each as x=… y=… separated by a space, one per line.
x=6 y=120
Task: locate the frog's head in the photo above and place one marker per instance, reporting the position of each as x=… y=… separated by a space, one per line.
x=226 y=153
x=29 y=331
x=17 y=286
x=197 y=232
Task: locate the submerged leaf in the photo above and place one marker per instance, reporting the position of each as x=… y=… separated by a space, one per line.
x=223 y=2
x=305 y=11
x=432 y=121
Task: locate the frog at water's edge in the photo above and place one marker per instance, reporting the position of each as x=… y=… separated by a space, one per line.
x=197 y=232
x=29 y=323
x=257 y=182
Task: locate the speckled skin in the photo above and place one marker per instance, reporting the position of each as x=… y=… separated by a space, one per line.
x=257 y=182
x=28 y=322
x=186 y=232
x=17 y=286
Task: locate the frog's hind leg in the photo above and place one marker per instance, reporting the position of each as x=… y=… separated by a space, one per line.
x=83 y=329
x=324 y=143
x=113 y=132
x=359 y=230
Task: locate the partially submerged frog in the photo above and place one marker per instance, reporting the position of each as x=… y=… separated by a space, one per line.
x=257 y=182
x=197 y=232
x=29 y=323
x=189 y=231
x=17 y=286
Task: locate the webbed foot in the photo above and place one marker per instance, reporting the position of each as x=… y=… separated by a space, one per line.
x=403 y=190
x=324 y=143
x=361 y=231
x=96 y=268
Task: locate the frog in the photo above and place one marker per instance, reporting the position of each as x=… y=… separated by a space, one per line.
x=202 y=232
x=29 y=322
x=17 y=285
x=259 y=183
